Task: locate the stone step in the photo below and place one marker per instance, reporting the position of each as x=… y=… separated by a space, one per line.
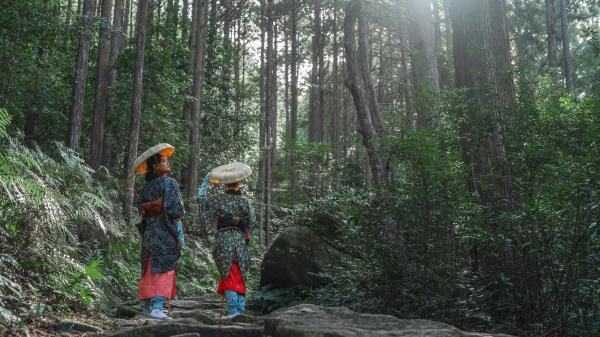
x=189 y=326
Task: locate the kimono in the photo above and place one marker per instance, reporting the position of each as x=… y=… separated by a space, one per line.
x=230 y=244
x=160 y=254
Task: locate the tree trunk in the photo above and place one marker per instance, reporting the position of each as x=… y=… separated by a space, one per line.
x=482 y=63
x=321 y=105
x=226 y=64
x=128 y=19
x=551 y=38
x=239 y=50
x=335 y=90
x=102 y=77
x=117 y=43
x=263 y=118
x=136 y=98
x=566 y=40
x=286 y=76
x=423 y=59
x=313 y=113
x=271 y=118
x=294 y=102
x=81 y=68
x=185 y=21
x=441 y=54
x=195 y=116
x=356 y=68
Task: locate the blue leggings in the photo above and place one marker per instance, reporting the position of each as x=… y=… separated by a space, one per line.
x=235 y=302
x=157 y=302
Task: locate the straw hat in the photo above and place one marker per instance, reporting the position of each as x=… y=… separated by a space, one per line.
x=229 y=173
x=140 y=166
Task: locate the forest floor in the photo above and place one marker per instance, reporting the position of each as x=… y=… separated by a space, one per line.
x=191 y=317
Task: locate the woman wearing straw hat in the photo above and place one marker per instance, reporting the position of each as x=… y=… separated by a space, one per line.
x=160 y=211
x=233 y=216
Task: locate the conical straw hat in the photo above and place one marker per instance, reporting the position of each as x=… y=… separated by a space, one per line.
x=229 y=173
x=140 y=166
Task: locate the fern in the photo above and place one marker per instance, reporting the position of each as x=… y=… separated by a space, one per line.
x=4 y=121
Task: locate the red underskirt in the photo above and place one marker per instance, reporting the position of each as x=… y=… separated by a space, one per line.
x=234 y=282
x=157 y=284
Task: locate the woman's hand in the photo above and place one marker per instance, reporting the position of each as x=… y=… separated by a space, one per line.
x=202 y=190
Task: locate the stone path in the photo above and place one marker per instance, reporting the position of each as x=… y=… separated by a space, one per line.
x=192 y=317
x=200 y=317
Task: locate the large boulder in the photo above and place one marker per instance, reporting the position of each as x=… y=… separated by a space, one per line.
x=300 y=253
x=308 y=320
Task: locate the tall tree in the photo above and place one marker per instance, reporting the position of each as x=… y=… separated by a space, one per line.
x=136 y=98
x=314 y=96
x=185 y=20
x=551 y=37
x=263 y=117
x=358 y=82
x=423 y=59
x=81 y=68
x=483 y=69
x=271 y=117
x=441 y=19
x=335 y=100
x=117 y=43
x=102 y=77
x=566 y=41
x=198 y=76
x=294 y=96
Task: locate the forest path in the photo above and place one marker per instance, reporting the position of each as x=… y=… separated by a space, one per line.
x=192 y=317
x=200 y=317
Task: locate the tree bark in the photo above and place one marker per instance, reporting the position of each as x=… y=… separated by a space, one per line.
x=102 y=78
x=271 y=118
x=239 y=50
x=185 y=21
x=360 y=93
x=226 y=64
x=566 y=40
x=365 y=73
x=313 y=113
x=483 y=68
x=294 y=102
x=263 y=119
x=136 y=98
x=286 y=76
x=321 y=105
x=195 y=116
x=126 y=23
x=439 y=52
x=423 y=59
x=117 y=43
x=335 y=90
x=81 y=68
x=551 y=38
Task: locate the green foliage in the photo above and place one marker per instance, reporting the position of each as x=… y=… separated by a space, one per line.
x=427 y=250
x=267 y=299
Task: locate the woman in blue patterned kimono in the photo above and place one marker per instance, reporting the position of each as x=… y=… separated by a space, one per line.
x=161 y=209
x=232 y=215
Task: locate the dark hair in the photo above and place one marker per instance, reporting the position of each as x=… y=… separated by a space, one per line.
x=152 y=162
x=232 y=185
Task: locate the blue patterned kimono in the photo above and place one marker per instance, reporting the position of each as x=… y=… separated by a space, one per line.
x=229 y=242
x=158 y=241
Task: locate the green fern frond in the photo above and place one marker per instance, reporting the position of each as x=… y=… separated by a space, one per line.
x=4 y=121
